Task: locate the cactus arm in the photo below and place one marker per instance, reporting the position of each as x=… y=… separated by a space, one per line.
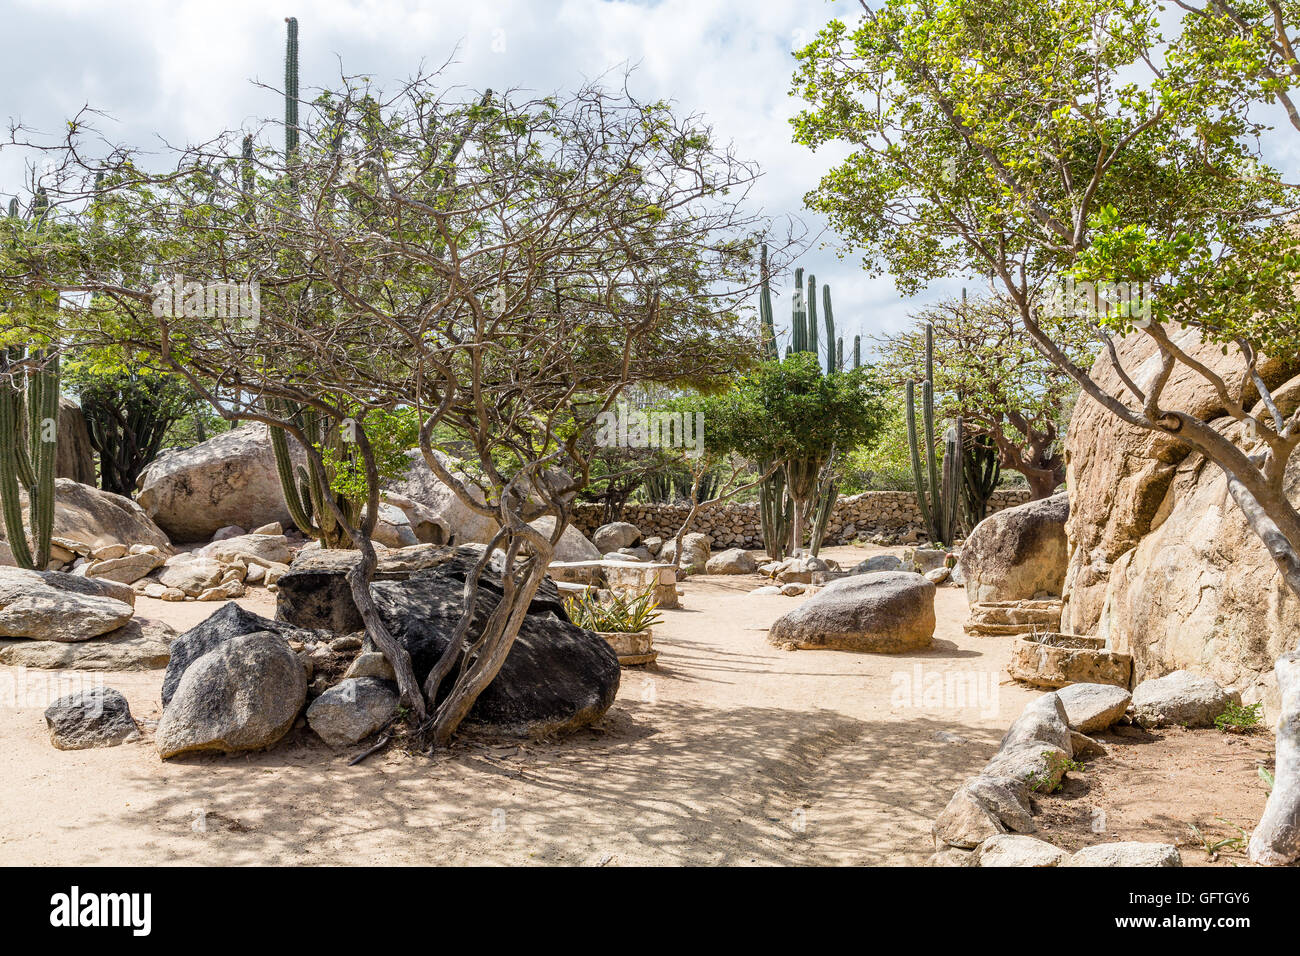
x=813 y=345
x=292 y=498
x=41 y=499
x=857 y=351
x=828 y=318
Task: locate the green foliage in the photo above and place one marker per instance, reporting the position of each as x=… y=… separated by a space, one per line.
x=1237 y=719
x=130 y=412
x=28 y=446
x=620 y=614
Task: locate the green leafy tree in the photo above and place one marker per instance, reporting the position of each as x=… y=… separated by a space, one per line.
x=990 y=374
x=1039 y=142
x=799 y=417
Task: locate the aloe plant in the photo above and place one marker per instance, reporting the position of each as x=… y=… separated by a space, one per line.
x=621 y=614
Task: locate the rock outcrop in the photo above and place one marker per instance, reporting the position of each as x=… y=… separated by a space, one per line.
x=51 y=606
x=440 y=507
x=74 y=455
x=87 y=519
x=1162 y=563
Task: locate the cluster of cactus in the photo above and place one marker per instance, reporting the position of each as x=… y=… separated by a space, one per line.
x=28 y=445
x=799 y=480
x=305 y=488
x=982 y=470
x=939 y=484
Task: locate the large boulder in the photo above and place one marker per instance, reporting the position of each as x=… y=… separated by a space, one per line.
x=243 y=695
x=456 y=522
x=139 y=645
x=74 y=455
x=227 y=480
x=1162 y=563
x=1017 y=553
x=98 y=717
x=227 y=623
x=881 y=612
x=695 y=551
x=263 y=549
x=56 y=607
x=731 y=561
x=573 y=544
x=556 y=678
x=616 y=535
x=87 y=519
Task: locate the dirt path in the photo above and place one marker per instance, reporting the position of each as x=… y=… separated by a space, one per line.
x=728 y=751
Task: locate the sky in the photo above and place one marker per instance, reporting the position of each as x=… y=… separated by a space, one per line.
x=185 y=70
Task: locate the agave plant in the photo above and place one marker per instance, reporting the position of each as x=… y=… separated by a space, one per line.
x=621 y=614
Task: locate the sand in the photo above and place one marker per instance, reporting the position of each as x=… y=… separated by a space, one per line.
x=728 y=751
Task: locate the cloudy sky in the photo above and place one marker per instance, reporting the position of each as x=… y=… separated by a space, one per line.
x=185 y=69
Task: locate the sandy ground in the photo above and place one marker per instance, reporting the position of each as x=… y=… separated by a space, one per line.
x=728 y=751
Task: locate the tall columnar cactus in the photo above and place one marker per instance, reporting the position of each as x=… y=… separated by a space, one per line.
x=28 y=444
x=812 y=315
x=766 y=324
x=857 y=351
x=291 y=88
x=938 y=485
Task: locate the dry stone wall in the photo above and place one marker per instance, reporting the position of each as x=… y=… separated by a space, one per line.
x=888 y=513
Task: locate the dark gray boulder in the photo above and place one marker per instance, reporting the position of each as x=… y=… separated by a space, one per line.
x=99 y=717
x=557 y=676
x=243 y=695
x=881 y=612
x=229 y=621
x=315 y=592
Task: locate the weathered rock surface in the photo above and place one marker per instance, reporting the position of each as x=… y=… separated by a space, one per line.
x=1092 y=708
x=139 y=645
x=226 y=480
x=1017 y=554
x=573 y=544
x=352 y=710
x=86 y=518
x=227 y=623
x=1126 y=854
x=457 y=521
x=731 y=561
x=128 y=568
x=882 y=612
x=1180 y=699
x=51 y=606
x=616 y=535
x=1057 y=660
x=74 y=455
x=1162 y=562
x=556 y=678
x=243 y=695
x=99 y=717
x=263 y=549
x=1013 y=849
x=695 y=551
x=879 y=562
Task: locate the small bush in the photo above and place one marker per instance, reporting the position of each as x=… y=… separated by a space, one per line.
x=1236 y=719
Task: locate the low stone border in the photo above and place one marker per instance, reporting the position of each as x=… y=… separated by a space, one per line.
x=988 y=820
